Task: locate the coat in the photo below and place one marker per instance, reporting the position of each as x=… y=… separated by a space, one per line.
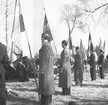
x=46 y=72
x=93 y=66
x=78 y=67
x=65 y=70
x=3 y=59
x=101 y=65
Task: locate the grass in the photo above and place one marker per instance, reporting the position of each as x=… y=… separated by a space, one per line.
x=91 y=93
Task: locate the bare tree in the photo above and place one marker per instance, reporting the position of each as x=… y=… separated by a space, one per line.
x=96 y=8
x=71 y=15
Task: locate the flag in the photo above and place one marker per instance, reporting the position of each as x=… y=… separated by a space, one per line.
x=90 y=44
x=82 y=49
x=22 y=26
x=100 y=45
x=104 y=46
x=21 y=20
x=46 y=28
x=70 y=44
x=18 y=40
x=97 y=49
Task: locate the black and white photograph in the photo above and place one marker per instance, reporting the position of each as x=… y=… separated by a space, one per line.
x=53 y=52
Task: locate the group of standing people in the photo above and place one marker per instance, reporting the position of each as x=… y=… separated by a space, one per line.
x=46 y=71
x=99 y=63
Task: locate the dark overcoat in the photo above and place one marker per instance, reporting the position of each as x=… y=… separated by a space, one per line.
x=78 y=67
x=101 y=65
x=65 y=69
x=3 y=59
x=46 y=75
x=92 y=66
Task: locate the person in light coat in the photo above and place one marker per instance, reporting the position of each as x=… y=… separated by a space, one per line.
x=65 y=69
x=46 y=72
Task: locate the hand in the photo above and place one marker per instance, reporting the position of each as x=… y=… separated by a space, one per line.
x=61 y=70
x=0 y=76
x=41 y=72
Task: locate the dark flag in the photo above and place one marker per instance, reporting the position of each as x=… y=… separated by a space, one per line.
x=82 y=49
x=104 y=47
x=90 y=44
x=46 y=28
x=100 y=45
x=70 y=43
x=21 y=20
x=22 y=26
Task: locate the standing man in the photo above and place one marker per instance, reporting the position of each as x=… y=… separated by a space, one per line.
x=101 y=64
x=65 y=69
x=78 y=66
x=92 y=65
x=46 y=72
x=3 y=59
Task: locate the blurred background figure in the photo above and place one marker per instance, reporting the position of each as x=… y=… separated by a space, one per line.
x=92 y=65
x=101 y=64
x=78 y=67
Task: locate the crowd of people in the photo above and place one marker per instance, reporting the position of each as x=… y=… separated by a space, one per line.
x=46 y=72
x=46 y=69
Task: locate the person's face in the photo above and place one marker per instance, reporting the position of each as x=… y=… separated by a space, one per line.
x=63 y=46
x=42 y=38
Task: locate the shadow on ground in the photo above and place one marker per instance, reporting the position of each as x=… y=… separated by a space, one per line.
x=20 y=101
x=90 y=102
x=94 y=102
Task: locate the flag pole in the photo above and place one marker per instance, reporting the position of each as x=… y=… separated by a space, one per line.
x=13 y=30
x=14 y=19
x=52 y=37
x=33 y=64
x=6 y=15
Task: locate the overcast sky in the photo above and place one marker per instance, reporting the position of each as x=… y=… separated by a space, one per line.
x=58 y=28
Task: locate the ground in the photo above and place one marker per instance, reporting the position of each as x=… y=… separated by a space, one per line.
x=91 y=93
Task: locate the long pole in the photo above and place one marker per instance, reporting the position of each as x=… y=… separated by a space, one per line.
x=13 y=31
x=34 y=66
x=14 y=19
x=6 y=15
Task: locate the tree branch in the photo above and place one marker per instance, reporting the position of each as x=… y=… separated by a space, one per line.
x=97 y=8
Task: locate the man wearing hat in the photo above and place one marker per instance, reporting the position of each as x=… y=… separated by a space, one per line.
x=101 y=64
x=3 y=59
x=46 y=72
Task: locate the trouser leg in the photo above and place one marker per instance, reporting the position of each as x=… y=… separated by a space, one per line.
x=2 y=91
x=46 y=99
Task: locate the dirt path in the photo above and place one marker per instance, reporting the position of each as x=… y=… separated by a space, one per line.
x=91 y=93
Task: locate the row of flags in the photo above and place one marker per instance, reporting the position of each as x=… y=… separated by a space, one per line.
x=16 y=49
x=18 y=24
x=86 y=52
